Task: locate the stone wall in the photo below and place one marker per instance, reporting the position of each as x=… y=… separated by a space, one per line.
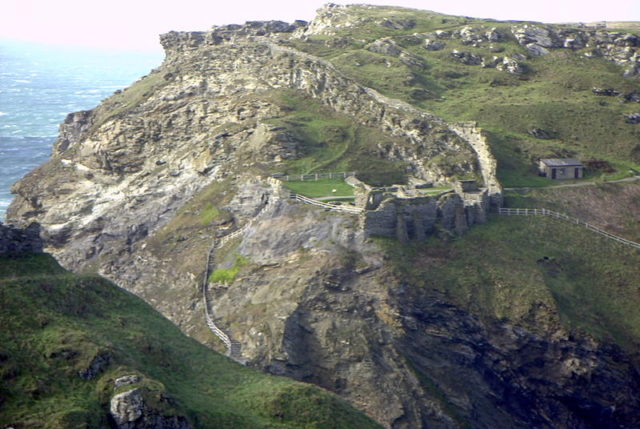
x=415 y=218
x=487 y=162
x=15 y=241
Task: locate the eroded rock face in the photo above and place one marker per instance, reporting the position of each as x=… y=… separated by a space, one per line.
x=539 y=381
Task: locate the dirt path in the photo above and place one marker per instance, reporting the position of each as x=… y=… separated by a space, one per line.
x=573 y=185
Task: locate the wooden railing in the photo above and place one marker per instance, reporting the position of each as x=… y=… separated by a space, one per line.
x=233 y=347
x=313 y=176
x=334 y=207
x=207 y=304
x=562 y=216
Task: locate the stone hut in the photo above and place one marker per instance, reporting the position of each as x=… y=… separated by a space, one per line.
x=558 y=169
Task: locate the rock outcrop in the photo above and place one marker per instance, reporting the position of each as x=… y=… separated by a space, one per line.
x=16 y=241
x=619 y=47
x=130 y=410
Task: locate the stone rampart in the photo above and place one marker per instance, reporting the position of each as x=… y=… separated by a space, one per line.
x=389 y=214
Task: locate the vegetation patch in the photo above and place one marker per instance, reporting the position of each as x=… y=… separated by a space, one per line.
x=320 y=188
x=53 y=323
x=228 y=275
x=331 y=141
x=561 y=276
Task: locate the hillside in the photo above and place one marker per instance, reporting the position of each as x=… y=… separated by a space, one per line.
x=529 y=84
x=411 y=298
x=77 y=352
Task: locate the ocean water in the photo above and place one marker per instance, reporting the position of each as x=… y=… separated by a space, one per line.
x=40 y=85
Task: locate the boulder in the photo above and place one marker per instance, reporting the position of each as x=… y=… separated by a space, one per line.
x=632 y=118
x=494 y=35
x=127 y=407
x=434 y=45
x=605 y=92
x=467 y=58
x=510 y=65
x=539 y=133
x=130 y=410
x=398 y=24
x=411 y=60
x=127 y=380
x=536 y=50
x=493 y=63
x=632 y=97
x=533 y=34
x=97 y=365
x=385 y=46
x=632 y=70
x=471 y=35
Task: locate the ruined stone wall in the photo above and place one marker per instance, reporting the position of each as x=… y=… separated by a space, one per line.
x=488 y=163
x=416 y=218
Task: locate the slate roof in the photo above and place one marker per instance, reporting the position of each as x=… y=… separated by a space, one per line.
x=564 y=162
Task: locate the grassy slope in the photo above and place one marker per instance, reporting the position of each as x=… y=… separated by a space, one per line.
x=54 y=323
x=611 y=206
x=320 y=188
x=590 y=282
x=332 y=141
x=553 y=94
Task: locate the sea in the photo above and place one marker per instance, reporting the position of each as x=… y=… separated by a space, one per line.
x=40 y=85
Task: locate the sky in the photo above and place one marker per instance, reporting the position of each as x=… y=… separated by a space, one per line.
x=134 y=25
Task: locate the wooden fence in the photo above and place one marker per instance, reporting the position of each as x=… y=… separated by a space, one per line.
x=562 y=216
x=313 y=176
x=334 y=207
x=233 y=347
x=207 y=305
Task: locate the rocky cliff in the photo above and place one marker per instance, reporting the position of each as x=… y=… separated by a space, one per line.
x=141 y=188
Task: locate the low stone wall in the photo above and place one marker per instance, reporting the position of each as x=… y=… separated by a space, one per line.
x=15 y=241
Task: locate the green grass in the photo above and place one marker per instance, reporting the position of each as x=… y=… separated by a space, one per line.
x=54 y=323
x=320 y=188
x=331 y=141
x=228 y=275
x=209 y=213
x=587 y=282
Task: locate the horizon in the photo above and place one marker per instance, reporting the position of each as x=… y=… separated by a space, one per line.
x=70 y=24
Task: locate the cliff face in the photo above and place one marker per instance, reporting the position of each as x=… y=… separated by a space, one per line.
x=141 y=187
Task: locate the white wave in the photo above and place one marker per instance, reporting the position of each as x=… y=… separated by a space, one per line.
x=3 y=113
x=22 y=81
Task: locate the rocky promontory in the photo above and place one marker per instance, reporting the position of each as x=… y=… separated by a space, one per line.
x=144 y=188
